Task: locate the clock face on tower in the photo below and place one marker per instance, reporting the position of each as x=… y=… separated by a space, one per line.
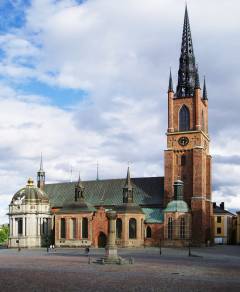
x=183 y=141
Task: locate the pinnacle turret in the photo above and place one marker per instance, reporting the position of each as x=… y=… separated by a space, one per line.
x=187 y=67
x=79 y=189
x=204 y=90
x=128 y=189
x=170 y=86
x=41 y=175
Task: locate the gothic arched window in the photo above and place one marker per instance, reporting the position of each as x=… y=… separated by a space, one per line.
x=84 y=227
x=132 y=228
x=119 y=228
x=182 y=228
x=63 y=228
x=149 y=232
x=170 y=228
x=184 y=119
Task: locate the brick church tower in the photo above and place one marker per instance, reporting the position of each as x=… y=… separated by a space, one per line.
x=187 y=156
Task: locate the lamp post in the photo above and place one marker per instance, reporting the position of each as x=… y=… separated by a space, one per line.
x=160 y=246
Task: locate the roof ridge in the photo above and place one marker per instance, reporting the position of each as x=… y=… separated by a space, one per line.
x=102 y=180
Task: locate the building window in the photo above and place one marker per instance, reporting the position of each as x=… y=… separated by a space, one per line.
x=184 y=119
x=63 y=228
x=219 y=219
x=219 y=230
x=119 y=228
x=183 y=160
x=84 y=227
x=132 y=228
x=149 y=232
x=182 y=228
x=20 y=226
x=73 y=229
x=170 y=228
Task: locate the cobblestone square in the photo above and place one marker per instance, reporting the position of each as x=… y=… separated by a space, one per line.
x=208 y=269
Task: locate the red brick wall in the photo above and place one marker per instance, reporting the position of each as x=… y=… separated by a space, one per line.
x=100 y=224
x=157 y=234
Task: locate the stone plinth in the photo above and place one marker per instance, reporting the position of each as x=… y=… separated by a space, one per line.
x=111 y=256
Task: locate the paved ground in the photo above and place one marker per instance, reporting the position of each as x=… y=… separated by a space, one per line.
x=210 y=269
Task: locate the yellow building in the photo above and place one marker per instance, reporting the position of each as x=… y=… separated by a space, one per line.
x=223 y=225
x=238 y=227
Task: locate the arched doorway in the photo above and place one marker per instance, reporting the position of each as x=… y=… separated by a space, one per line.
x=102 y=240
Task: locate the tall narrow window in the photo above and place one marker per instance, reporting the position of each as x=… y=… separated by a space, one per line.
x=84 y=227
x=184 y=119
x=182 y=228
x=170 y=228
x=119 y=228
x=132 y=228
x=183 y=160
x=149 y=232
x=73 y=228
x=63 y=228
x=20 y=226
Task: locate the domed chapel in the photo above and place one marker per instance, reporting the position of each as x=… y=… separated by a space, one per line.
x=173 y=210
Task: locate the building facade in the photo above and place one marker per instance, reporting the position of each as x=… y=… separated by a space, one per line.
x=172 y=210
x=224 y=225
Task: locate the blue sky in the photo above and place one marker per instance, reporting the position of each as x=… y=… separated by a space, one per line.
x=86 y=81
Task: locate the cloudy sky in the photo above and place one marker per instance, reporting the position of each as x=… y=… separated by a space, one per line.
x=86 y=81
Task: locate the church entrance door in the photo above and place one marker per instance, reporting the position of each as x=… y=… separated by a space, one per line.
x=102 y=240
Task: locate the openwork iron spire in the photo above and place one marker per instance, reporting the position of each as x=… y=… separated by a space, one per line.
x=187 y=67
x=204 y=90
x=197 y=81
x=170 y=86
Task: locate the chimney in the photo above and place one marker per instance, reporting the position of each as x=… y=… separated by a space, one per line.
x=222 y=205
x=214 y=205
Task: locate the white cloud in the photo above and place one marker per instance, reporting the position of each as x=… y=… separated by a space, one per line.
x=119 y=52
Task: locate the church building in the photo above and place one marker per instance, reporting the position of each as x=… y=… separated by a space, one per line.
x=174 y=210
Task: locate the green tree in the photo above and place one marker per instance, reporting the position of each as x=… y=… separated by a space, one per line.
x=4 y=231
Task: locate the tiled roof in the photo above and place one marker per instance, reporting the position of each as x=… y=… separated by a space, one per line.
x=148 y=191
x=153 y=215
x=218 y=210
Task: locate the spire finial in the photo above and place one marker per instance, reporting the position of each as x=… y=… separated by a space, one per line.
x=128 y=183
x=41 y=163
x=170 y=85
x=128 y=189
x=204 y=89
x=187 y=68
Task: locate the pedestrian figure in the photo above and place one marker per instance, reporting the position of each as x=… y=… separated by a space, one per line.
x=87 y=250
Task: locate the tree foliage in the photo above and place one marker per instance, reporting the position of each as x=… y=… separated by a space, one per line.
x=4 y=231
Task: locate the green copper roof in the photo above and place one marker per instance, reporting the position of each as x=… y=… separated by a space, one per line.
x=153 y=215
x=147 y=191
x=177 y=206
